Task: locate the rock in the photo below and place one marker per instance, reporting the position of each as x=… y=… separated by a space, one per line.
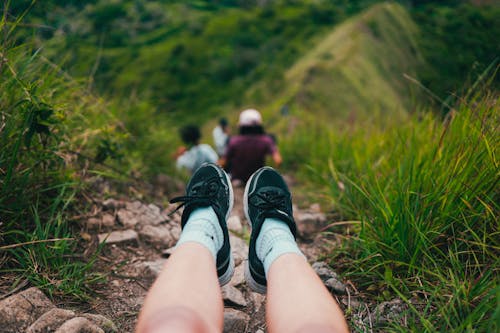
x=329 y=278
x=352 y=302
x=323 y=270
x=232 y=296
x=335 y=286
x=239 y=275
x=258 y=301
x=108 y=220
x=50 y=321
x=259 y=331
x=175 y=231
x=387 y=312
x=134 y=205
x=93 y=223
x=239 y=248
x=119 y=236
x=79 y=325
x=235 y=321
x=138 y=213
x=112 y=204
x=19 y=311
x=154 y=209
x=309 y=222
x=234 y=223
x=150 y=269
x=127 y=218
x=104 y=323
x=156 y=235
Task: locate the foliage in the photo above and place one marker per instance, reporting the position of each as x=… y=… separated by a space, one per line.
x=426 y=193
x=48 y=122
x=345 y=76
x=458 y=43
x=184 y=57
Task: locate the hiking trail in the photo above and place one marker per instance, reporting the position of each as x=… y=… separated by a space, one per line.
x=137 y=237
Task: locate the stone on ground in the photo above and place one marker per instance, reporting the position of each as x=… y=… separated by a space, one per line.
x=150 y=269
x=309 y=221
x=158 y=236
x=79 y=325
x=234 y=223
x=239 y=249
x=239 y=275
x=50 y=321
x=329 y=278
x=19 y=311
x=232 y=296
x=104 y=323
x=119 y=236
x=112 y=204
x=235 y=321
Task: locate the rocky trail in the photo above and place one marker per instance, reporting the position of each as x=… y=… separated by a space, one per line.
x=136 y=239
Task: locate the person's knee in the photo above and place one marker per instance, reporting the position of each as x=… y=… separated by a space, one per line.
x=174 y=319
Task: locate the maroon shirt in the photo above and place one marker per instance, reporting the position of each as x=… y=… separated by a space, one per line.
x=245 y=154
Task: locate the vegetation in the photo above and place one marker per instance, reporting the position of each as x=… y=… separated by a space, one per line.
x=419 y=189
x=460 y=29
x=344 y=77
x=182 y=63
x=45 y=130
x=423 y=198
x=55 y=135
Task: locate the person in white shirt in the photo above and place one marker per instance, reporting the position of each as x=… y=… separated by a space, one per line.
x=221 y=136
x=196 y=153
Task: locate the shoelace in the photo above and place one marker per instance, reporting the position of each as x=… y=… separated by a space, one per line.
x=269 y=200
x=204 y=192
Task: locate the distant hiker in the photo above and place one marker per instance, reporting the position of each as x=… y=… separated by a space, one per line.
x=195 y=154
x=221 y=136
x=247 y=151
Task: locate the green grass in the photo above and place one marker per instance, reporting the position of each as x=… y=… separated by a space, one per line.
x=54 y=134
x=426 y=193
x=356 y=71
x=45 y=125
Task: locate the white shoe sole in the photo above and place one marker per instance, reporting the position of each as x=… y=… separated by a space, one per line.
x=226 y=277
x=254 y=285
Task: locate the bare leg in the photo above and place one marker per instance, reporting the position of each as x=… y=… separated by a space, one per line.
x=186 y=296
x=298 y=301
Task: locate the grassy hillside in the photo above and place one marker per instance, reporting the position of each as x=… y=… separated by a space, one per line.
x=185 y=57
x=354 y=72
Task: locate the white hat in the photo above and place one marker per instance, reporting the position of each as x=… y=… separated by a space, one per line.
x=250 y=117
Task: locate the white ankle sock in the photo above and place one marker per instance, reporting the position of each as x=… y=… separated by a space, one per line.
x=275 y=239
x=203 y=227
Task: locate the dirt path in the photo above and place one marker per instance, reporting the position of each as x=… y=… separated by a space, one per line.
x=141 y=239
x=136 y=238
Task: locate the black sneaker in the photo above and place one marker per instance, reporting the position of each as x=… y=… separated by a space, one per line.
x=266 y=195
x=210 y=186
